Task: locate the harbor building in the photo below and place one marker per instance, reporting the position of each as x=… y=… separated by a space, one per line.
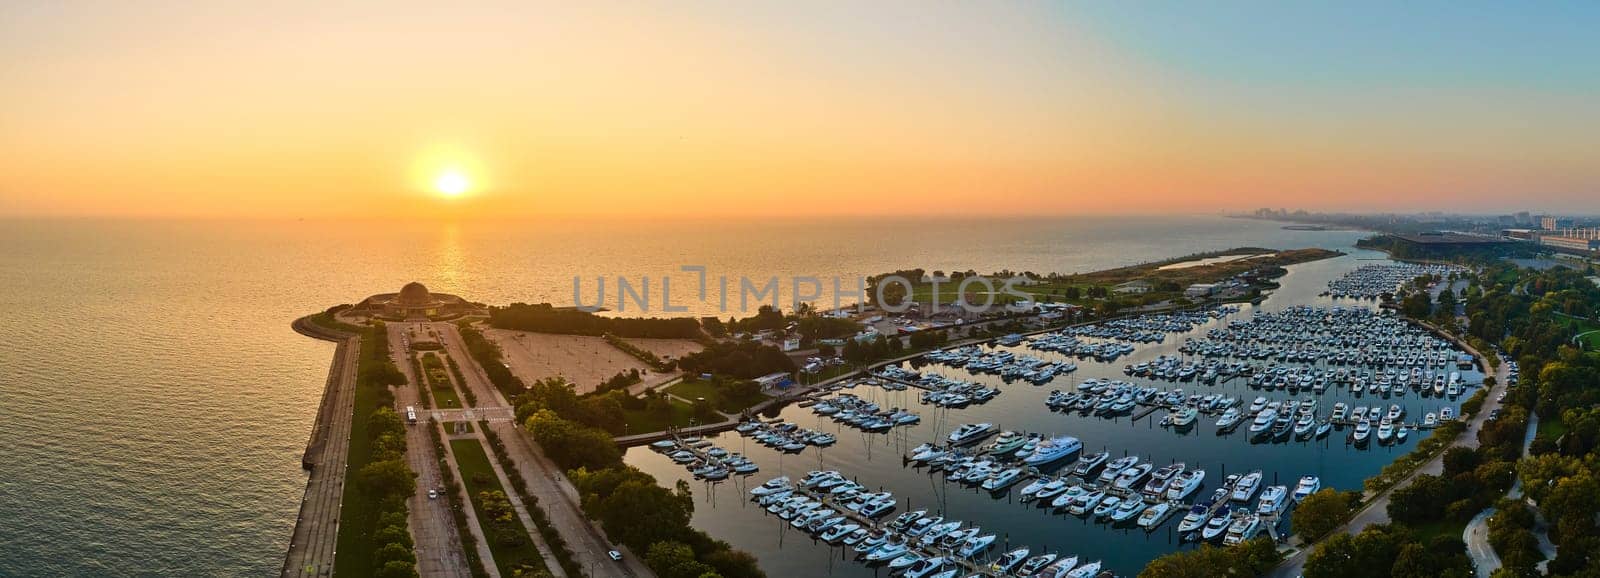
x=1135 y=287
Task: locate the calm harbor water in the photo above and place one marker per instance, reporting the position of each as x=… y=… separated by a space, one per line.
x=875 y=459
x=156 y=401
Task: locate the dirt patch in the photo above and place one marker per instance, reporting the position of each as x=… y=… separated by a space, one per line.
x=584 y=361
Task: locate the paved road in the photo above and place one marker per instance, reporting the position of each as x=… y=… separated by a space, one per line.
x=316 y=532
x=545 y=481
x=1377 y=510
x=433 y=527
x=1476 y=535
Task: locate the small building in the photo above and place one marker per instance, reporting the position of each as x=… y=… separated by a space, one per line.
x=775 y=380
x=791 y=343
x=414 y=301
x=1135 y=287
x=1200 y=290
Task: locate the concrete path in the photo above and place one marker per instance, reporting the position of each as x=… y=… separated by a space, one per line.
x=316 y=531
x=556 y=495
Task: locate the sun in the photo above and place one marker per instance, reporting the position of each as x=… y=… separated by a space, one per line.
x=452 y=184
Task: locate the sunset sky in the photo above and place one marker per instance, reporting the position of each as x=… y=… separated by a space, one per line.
x=338 y=109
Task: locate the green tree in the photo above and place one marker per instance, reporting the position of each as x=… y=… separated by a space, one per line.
x=1323 y=511
x=676 y=560
x=389 y=479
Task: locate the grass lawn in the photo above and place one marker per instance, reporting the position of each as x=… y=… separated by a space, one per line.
x=446 y=397
x=643 y=421
x=508 y=541
x=1551 y=427
x=691 y=389
x=450 y=426
x=1426 y=532
x=358 y=515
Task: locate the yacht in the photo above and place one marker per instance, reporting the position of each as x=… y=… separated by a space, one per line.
x=1216 y=527
x=1127 y=510
x=1155 y=515
x=1273 y=500
x=1088 y=464
x=1308 y=485
x=1385 y=432
x=1186 y=483
x=1230 y=420
x=1400 y=433
x=886 y=552
x=1053 y=449
x=1197 y=517
x=922 y=525
x=1363 y=430
x=1430 y=420
x=900 y=522
x=1116 y=467
x=1185 y=417
x=1242 y=530
x=1060 y=567
x=1304 y=427
x=906 y=560
x=1002 y=479
x=1161 y=479
x=1085 y=504
x=772 y=486
x=1131 y=477
x=975 y=546
x=837 y=533
x=925 y=567
x=1056 y=487
x=1033 y=565
x=1323 y=427
x=938 y=531
x=1339 y=410
x=1007 y=442
x=970 y=433
x=1030 y=491
x=1107 y=505
x=1246 y=487
x=1009 y=560
x=1263 y=422
x=1085 y=571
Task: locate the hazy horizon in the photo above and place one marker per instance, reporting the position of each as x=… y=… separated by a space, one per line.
x=739 y=109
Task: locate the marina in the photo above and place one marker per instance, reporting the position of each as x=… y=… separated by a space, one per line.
x=1216 y=395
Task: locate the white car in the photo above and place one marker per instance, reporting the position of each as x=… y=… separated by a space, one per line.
x=432 y=494
x=615 y=555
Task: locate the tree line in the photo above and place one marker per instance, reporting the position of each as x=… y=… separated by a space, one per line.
x=547 y=318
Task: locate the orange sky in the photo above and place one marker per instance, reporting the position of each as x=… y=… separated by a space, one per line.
x=743 y=108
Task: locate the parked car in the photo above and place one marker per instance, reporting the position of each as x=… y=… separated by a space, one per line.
x=615 y=555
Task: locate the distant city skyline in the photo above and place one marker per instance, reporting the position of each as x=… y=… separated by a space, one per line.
x=727 y=109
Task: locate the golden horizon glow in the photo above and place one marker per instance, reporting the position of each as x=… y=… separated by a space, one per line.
x=728 y=109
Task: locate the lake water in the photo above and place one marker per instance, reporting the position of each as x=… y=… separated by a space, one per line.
x=156 y=401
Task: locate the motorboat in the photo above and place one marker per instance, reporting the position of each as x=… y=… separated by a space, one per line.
x=1185 y=484
x=1053 y=449
x=773 y=485
x=975 y=546
x=1065 y=496
x=1060 y=567
x=1051 y=488
x=1246 y=487
x=905 y=560
x=837 y=533
x=1323 y=428
x=1127 y=510
x=1216 y=527
x=1385 y=432
x=1155 y=515
x=1027 y=492
x=1161 y=479
x=1230 y=420
x=938 y=531
x=1006 y=443
x=1430 y=420
x=1009 y=560
x=957 y=537
x=970 y=433
x=1085 y=571
x=1032 y=566
x=1242 y=530
x=1362 y=432
x=1262 y=424
x=922 y=525
x=1196 y=518
x=1131 y=477
x=1308 y=485
x=1273 y=500
x=900 y=522
x=1088 y=464
x=1107 y=505
x=1116 y=467
x=924 y=567
x=1002 y=479
x=1086 y=503
x=886 y=552
x=1304 y=427
x=1339 y=411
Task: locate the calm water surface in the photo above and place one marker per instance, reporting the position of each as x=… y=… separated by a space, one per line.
x=156 y=402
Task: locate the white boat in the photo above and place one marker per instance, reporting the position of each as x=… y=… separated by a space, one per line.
x=975 y=546
x=1185 y=417
x=1127 y=510
x=1246 y=487
x=1116 y=467
x=1107 y=505
x=1155 y=515
x=1230 y=419
x=1085 y=504
x=1185 y=484
x=1053 y=449
x=1056 y=488
x=1362 y=432
x=1430 y=420
x=1216 y=527
x=970 y=433
x=1028 y=492
x=1086 y=570
x=1002 y=479
x=1032 y=566
x=1308 y=485
x=1161 y=479
x=1196 y=518
x=1242 y=530
x=1273 y=500
x=1009 y=560
x=887 y=551
x=1385 y=432
x=925 y=567
x=1060 y=567
x=1087 y=464
x=773 y=485
x=905 y=560
x=1400 y=433
x=1132 y=476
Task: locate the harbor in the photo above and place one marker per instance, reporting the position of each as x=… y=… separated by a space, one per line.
x=1156 y=428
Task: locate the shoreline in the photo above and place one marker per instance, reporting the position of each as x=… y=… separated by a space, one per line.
x=314 y=539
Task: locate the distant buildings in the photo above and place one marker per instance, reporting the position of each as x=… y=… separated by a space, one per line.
x=1200 y=290
x=1135 y=287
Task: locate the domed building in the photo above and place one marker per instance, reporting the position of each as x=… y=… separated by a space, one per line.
x=414 y=301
